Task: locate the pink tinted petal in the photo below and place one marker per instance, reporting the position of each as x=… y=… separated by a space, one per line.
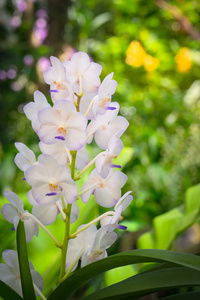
x=75 y=139
x=8 y=276
x=99 y=163
x=40 y=100
x=46 y=214
x=118 y=178
x=39 y=192
x=49 y=163
x=36 y=173
x=80 y=61
x=70 y=73
x=70 y=191
x=90 y=83
x=117 y=215
x=62 y=174
x=82 y=159
x=31 y=198
x=9 y=212
x=94 y=67
x=26 y=152
x=37 y=279
x=58 y=150
x=74 y=212
x=77 y=120
x=47 y=133
x=30 y=229
x=11 y=259
x=125 y=200
x=30 y=110
x=14 y=200
x=58 y=68
x=49 y=75
x=21 y=162
x=107 y=197
x=16 y=221
x=65 y=107
x=49 y=116
x=86 y=196
x=106 y=220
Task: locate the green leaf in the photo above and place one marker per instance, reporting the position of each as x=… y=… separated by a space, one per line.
x=125 y=258
x=7 y=293
x=26 y=279
x=147 y=283
x=118 y=274
x=168 y=226
x=185 y=296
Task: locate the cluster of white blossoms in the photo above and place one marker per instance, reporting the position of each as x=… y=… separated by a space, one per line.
x=81 y=110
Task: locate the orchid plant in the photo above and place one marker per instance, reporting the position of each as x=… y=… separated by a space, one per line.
x=81 y=111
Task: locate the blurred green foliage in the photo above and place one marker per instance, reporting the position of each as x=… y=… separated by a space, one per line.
x=162 y=144
x=163 y=105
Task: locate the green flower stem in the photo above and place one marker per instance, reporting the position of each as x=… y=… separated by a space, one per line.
x=39 y=292
x=72 y=264
x=88 y=165
x=89 y=188
x=67 y=211
x=108 y=213
x=28 y=215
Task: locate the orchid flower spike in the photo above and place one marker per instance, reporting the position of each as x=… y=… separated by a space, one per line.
x=10 y=273
x=121 y=205
x=14 y=211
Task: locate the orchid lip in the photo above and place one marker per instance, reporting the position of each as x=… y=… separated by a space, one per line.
x=53 y=91
x=24 y=178
x=13 y=229
x=60 y=137
x=51 y=194
x=111 y=108
x=122 y=227
x=116 y=166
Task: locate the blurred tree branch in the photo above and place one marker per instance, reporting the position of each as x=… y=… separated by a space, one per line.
x=57 y=11
x=183 y=20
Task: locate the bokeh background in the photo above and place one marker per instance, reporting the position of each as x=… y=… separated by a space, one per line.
x=153 y=48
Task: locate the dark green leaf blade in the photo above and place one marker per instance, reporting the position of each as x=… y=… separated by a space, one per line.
x=131 y=257
x=26 y=279
x=137 y=286
x=7 y=293
x=185 y=296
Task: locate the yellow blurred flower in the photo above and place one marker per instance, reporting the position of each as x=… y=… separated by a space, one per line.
x=136 y=57
x=135 y=54
x=150 y=63
x=183 y=60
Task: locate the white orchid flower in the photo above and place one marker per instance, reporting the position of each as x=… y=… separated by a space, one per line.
x=14 y=211
x=25 y=158
x=49 y=179
x=63 y=122
x=10 y=273
x=32 y=108
x=106 y=190
x=81 y=71
x=90 y=245
x=60 y=88
x=118 y=209
x=104 y=127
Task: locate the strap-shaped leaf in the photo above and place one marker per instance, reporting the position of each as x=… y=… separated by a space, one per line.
x=130 y=257
x=26 y=279
x=185 y=296
x=7 y=293
x=147 y=283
